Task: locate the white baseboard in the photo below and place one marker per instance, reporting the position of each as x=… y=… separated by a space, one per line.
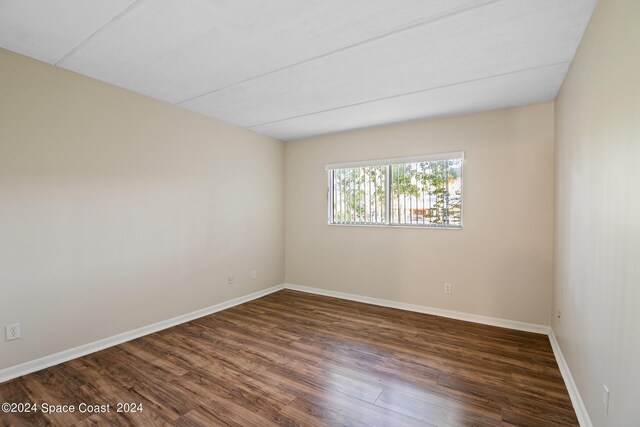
x=476 y=318
x=73 y=353
x=574 y=394
x=576 y=400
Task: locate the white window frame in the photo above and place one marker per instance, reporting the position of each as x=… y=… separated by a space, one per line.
x=388 y=163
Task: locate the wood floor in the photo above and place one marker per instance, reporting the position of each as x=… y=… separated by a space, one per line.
x=292 y=358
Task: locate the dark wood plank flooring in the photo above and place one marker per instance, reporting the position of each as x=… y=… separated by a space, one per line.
x=292 y=358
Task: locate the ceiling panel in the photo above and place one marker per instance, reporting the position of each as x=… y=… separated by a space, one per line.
x=175 y=50
x=510 y=90
x=498 y=38
x=49 y=29
x=293 y=69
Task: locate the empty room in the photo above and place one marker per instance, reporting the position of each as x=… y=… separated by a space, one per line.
x=320 y=213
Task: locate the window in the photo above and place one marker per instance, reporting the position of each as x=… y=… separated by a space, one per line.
x=417 y=192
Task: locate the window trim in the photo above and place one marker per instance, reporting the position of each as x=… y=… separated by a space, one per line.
x=396 y=160
x=389 y=162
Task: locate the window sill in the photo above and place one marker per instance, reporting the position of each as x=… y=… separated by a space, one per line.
x=428 y=227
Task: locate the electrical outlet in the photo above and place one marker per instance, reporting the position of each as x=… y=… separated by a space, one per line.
x=254 y=275
x=12 y=332
x=605 y=398
x=230 y=279
x=447 y=288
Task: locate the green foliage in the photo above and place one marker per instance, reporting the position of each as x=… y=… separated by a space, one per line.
x=433 y=181
x=362 y=194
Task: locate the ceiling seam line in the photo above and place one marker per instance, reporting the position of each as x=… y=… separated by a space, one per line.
x=99 y=30
x=409 y=93
x=342 y=49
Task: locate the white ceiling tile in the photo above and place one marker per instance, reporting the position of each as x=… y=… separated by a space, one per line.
x=501 y=37
x=510 y=90
x=175 y=50
x=292 y=68
x=49 y=29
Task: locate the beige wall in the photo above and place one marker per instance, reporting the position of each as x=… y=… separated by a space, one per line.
x=597 y=214
x=500 y=264
x=118 y=211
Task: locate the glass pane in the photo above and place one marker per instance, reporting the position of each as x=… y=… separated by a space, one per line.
x=358 y=195
x=427 y=193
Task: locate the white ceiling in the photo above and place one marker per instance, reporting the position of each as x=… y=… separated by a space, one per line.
x=293 y=69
